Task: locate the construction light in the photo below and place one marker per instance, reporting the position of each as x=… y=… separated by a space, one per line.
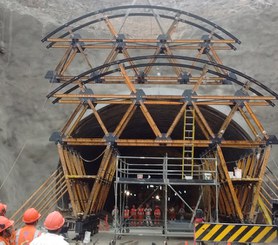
x=157 y=197
x=152 y=186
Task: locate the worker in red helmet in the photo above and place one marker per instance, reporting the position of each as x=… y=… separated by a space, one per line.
x=3 y=209
x=5 y=230
x=53 y=223
x=28 y=233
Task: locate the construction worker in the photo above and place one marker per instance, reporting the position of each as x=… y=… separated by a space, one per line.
x=3 y=209
x=140 y=215
x=115 y=215
x=172 y=213
x=148 y=213
x=199 y=216
x=126 y=219
x=53 y=223
x=133 y=214
x=29 y=232
x=181 y=213
x=157 y=215
x=5 y=230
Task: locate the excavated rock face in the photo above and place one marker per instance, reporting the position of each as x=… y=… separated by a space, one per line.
x=27 y=121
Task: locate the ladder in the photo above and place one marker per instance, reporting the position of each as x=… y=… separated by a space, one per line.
x=188 y=134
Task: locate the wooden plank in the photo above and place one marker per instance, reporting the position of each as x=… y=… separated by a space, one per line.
x=230 y=184
x=255 y=119
x=203 y=120
x=98 y=117
x=259 y=184
x=125 y=119
x=176 y=120
x=227 y=121
x=150 y=119
x=66 y=172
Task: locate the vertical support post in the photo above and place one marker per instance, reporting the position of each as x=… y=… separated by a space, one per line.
x=216 y=191
x=165 y=194
x=116 y=198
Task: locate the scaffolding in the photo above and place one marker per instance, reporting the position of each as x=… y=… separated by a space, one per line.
x=164 y=174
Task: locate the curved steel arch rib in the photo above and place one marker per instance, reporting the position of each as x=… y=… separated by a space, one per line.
x=102 y=11
x=177 y=57
x=141 y=14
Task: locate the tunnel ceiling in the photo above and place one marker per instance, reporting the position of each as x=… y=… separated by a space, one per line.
x=139 y=128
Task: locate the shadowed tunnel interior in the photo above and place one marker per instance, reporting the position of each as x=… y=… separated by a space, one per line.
x=138 y=128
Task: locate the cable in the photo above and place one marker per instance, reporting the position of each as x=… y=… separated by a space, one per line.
x=85 y=160
x=11 y=169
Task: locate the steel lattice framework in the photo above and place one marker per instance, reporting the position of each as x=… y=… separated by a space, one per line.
x=86 y=78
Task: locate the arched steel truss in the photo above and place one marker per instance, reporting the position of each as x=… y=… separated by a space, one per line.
x=235 y=197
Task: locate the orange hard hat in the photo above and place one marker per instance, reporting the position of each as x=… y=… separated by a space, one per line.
x=31 y=215
x=54 y=221
x=5 y=223
x=3 y=207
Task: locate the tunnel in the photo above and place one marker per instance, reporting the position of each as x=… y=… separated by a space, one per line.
x=138 y=128
x=132 y=102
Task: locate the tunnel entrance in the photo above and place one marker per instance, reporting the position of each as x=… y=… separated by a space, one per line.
x=153 y=95
x=137 y=128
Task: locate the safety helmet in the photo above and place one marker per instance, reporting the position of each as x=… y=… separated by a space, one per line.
x=3 y=207
x=5 y=223
x=30 y=216
x=54 y=221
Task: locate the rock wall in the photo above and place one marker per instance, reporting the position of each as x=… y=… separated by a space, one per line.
x=27 y=119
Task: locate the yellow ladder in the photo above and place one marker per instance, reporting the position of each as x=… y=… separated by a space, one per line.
x=188 y=134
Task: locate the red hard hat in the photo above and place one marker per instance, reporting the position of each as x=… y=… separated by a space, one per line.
x=3 y=207
x=5 y=223
x=54 y=221
x=31 y=215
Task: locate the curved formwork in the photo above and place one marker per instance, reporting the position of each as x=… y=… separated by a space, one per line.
x=154 y=93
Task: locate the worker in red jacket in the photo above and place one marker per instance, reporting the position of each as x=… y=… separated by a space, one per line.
x=199 y=216
x=27 y=233
x=157 y=215
x=172 y=213
x=140 y=215
x=6 y=227
x=133 y=214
